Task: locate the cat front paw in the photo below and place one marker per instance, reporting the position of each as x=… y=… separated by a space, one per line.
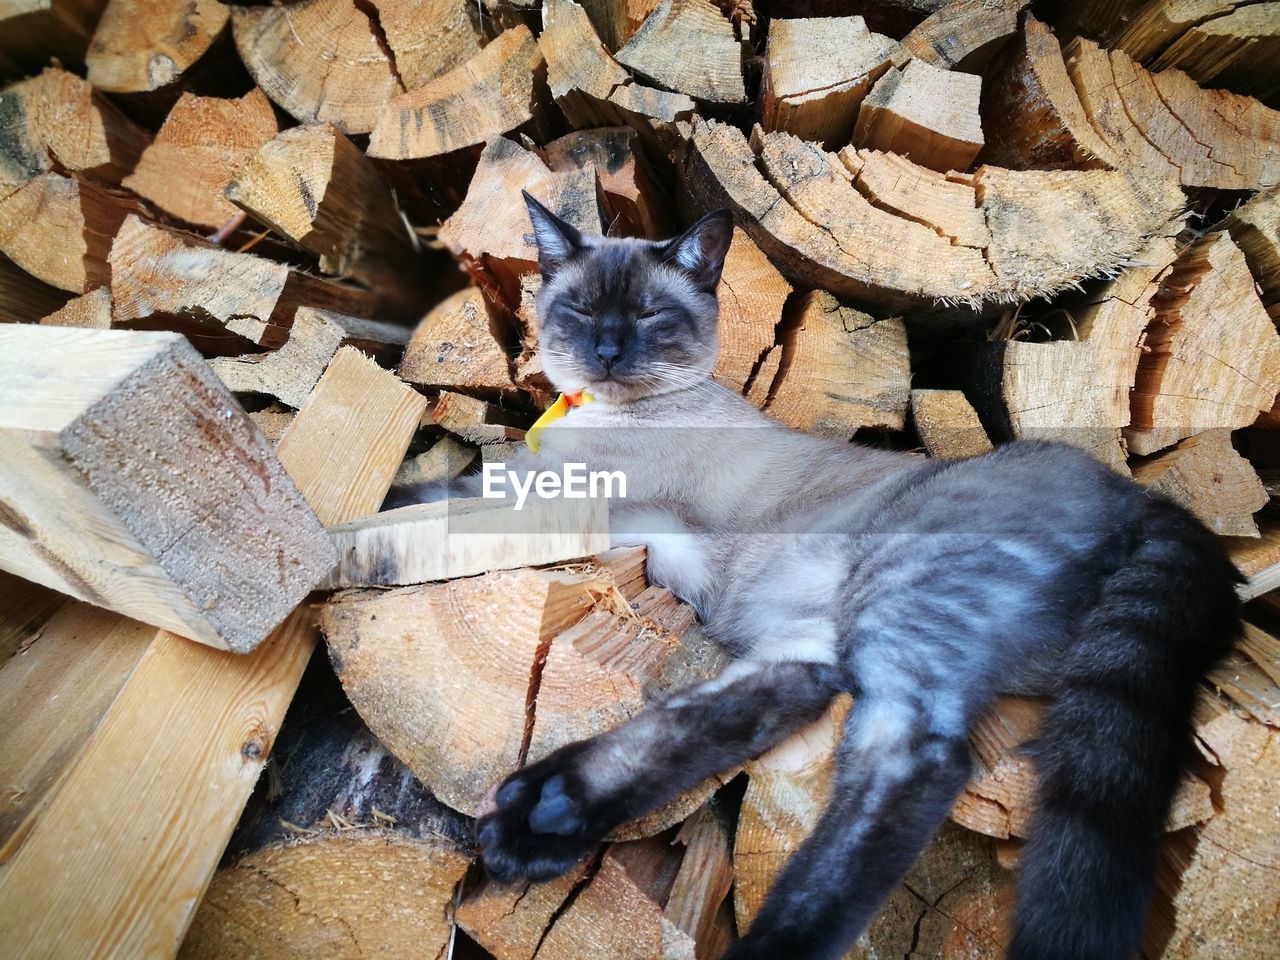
x=541 y=823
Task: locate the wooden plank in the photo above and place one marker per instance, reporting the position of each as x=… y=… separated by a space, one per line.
x=52 y=698
x=356 y=404
x=131 y=479
x=25 y=608
x=118 y=861
x=122 y=853
x=461 y=538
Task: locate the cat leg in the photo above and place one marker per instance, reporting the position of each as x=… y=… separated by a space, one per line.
x=896 y=779
x=550 y=814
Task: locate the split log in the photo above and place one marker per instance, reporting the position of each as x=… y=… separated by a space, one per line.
x=23 y=298
x=54 y=697
x=454 y=348
x=163 y=277
x=491 y=232
x=786 y=793
x=926 y=113
x=1237 y=50
x=592 y=89
x=1216 y=889
x=751 y=294
x=999 y=799
x=688 y=46
x=445 y=674
x=495 y=92
x=354 y=856
x=272 y=420
x=1149 y=30
x=143 y=46
x=92 y=309
x=1077 y=391
x=1206 y=475
x=219 y=551
x=32 y=32
x=1048 y=229
x=962 y=35
x=359 y=404
x=464 y=537
x=60 y=228
x=701 y=887
x=1165 y=124
x=840 y=370
x=604 y=669
x=627 y=893
x=1255 y=228
x=475 y=421
x=1031 y=113
x=947 y=424
x=58 y=117
x=616 y=21
x=633 y=197
x=955 y=902
x=314 y=186
x=290 y=373
x=203 y=143
x=1257 y=559
x=446 y=459
x=1212 y=354
x=1250 y=674
x=510 y=921
x=817 y=72
x=335 y=61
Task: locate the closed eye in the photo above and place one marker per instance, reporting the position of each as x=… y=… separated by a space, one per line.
x=649 y=314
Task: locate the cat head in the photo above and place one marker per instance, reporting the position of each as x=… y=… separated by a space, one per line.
x=627 y=318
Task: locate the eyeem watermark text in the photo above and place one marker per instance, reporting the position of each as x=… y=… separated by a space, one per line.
x=574 y=482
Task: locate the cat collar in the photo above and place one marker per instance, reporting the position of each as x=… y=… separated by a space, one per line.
x=554 y=413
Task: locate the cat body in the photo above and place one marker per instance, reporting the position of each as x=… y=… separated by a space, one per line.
x=922 y=587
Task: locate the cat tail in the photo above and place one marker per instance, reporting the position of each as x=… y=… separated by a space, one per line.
x=1113 y=746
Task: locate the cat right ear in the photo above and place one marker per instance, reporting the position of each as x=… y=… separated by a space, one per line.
x=557 y=240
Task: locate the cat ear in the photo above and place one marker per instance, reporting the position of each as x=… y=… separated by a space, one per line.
x=557 y=240
x=701 y=249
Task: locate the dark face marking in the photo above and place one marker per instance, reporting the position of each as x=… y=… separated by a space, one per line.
x=628 y=318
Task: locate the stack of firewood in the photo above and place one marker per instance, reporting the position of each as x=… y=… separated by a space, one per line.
x=263 y=263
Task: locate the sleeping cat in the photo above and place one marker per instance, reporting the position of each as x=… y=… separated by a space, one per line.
x=922 y=587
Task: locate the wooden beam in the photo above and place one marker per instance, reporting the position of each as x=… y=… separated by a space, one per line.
x=464 y=537
x=52 y=699
x=132 y=892
x=200 y=723
x=355 y=405
x=131 y=479
x=289 y=374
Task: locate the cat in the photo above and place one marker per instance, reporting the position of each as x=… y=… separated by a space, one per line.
x=922 y=587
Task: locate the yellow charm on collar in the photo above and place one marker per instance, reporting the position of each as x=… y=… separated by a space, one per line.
x=554 y=413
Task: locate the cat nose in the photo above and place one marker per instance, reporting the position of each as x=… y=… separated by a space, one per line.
x=608 y=352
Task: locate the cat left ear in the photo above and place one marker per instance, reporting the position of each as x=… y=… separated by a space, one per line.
x=701 y=249
x=557 y=240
